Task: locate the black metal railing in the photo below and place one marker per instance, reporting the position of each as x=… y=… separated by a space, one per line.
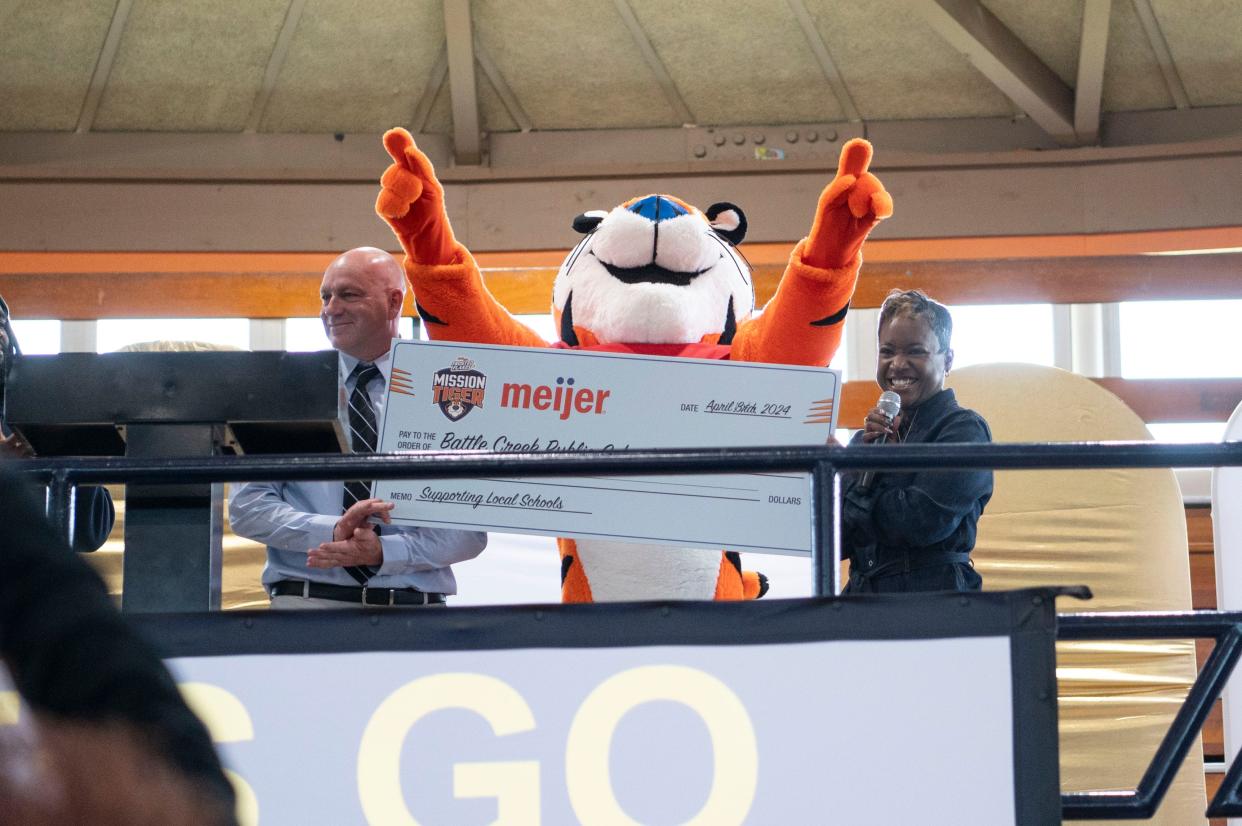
x=1141 y=802
x=823 y=463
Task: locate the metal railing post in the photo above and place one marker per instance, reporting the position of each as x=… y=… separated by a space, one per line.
x=825 y=501
x=59 y=504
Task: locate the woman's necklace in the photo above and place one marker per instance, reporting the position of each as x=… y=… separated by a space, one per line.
x=907 y=427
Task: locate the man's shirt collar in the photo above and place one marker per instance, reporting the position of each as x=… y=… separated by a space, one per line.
x=347 y=363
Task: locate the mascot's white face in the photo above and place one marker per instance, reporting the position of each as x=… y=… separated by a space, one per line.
x=655 y=270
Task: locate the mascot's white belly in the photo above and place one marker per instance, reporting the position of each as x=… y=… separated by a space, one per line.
x=621 y=571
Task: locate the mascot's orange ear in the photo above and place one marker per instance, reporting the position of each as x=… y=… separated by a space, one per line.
x=728 y=220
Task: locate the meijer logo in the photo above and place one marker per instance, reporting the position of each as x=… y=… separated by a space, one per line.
x=564 y=398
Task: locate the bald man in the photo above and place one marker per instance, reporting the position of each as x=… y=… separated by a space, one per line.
x=320 y=553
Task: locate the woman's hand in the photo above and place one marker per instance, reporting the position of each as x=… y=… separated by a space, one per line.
x=877 y=424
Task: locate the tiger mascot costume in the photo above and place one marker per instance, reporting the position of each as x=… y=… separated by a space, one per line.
x=654 y=276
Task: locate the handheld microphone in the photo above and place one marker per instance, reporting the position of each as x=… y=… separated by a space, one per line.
x=890 y=406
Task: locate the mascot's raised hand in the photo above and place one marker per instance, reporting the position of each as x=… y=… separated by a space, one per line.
x=658 y=276
x=802 y=324
x=412 y=202
x=849 y=208
x=449 y=293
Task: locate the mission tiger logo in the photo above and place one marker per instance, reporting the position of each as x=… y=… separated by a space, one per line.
x=458 y=388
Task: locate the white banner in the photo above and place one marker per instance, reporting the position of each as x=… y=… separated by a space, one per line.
x=451 y=396
x=852 y=732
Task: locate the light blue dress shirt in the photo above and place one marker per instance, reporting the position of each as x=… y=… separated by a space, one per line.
x=291 y=518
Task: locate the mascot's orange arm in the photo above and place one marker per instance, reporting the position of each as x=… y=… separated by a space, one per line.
x=802 y=324
x=449 y=293
x=455 y=305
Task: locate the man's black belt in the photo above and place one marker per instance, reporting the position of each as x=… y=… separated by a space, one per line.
x=350 y=593
x=907 y=562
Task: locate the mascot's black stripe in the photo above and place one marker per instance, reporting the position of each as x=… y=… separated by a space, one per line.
x=730 y=325
x=427 y=317
x=655 y=237
x=735 y=559
x=567 y=562
x=567 y=322
x=835 y=318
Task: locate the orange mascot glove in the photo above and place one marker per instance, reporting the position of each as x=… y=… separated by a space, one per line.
x=849 y=207
x=412 y=202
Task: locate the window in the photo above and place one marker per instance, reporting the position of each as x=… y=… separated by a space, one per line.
x=542 y=324
x=306 y=334
x=37 y=337
x=841 y=360
x=114 y=333
x=1179 y=339
x=1003 y=332
x=1187 y=432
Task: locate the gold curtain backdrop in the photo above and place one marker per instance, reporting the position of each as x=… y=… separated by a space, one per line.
x=1121 y=532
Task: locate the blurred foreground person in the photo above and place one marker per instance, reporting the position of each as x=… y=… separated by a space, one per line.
x=101 y=734
x=914 y=531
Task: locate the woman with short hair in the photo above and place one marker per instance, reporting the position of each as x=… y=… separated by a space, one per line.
x=915 y=531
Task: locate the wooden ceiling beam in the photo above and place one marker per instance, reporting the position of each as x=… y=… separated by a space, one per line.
x=1089 y=90
x=103 y=65
x=503 y=90
x=1164 y=57
x=648 y=52
x=1007 y=62
x=436 y=79
x=1205 y=135
x=823 y=57
x=459 y=38
x=1058 y=280
x=275 y=62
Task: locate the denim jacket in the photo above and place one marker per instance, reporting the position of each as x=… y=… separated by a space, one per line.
x=915 y=531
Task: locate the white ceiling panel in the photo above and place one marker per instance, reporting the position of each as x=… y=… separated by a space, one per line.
x=1050 y=28
x=1132 y=79
x=759 y=69
x=572 y=65
x=189 y=66
x=1204 y=37
x=47 y=68
x=897 y=68
x=610 y=67
x=356 y=67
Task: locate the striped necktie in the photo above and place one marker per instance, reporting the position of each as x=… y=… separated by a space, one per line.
x=364 y=433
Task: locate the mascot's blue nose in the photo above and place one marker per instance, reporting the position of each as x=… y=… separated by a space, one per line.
x=657 y=208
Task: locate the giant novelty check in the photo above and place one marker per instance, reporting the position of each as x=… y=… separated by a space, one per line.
x=450 y=396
